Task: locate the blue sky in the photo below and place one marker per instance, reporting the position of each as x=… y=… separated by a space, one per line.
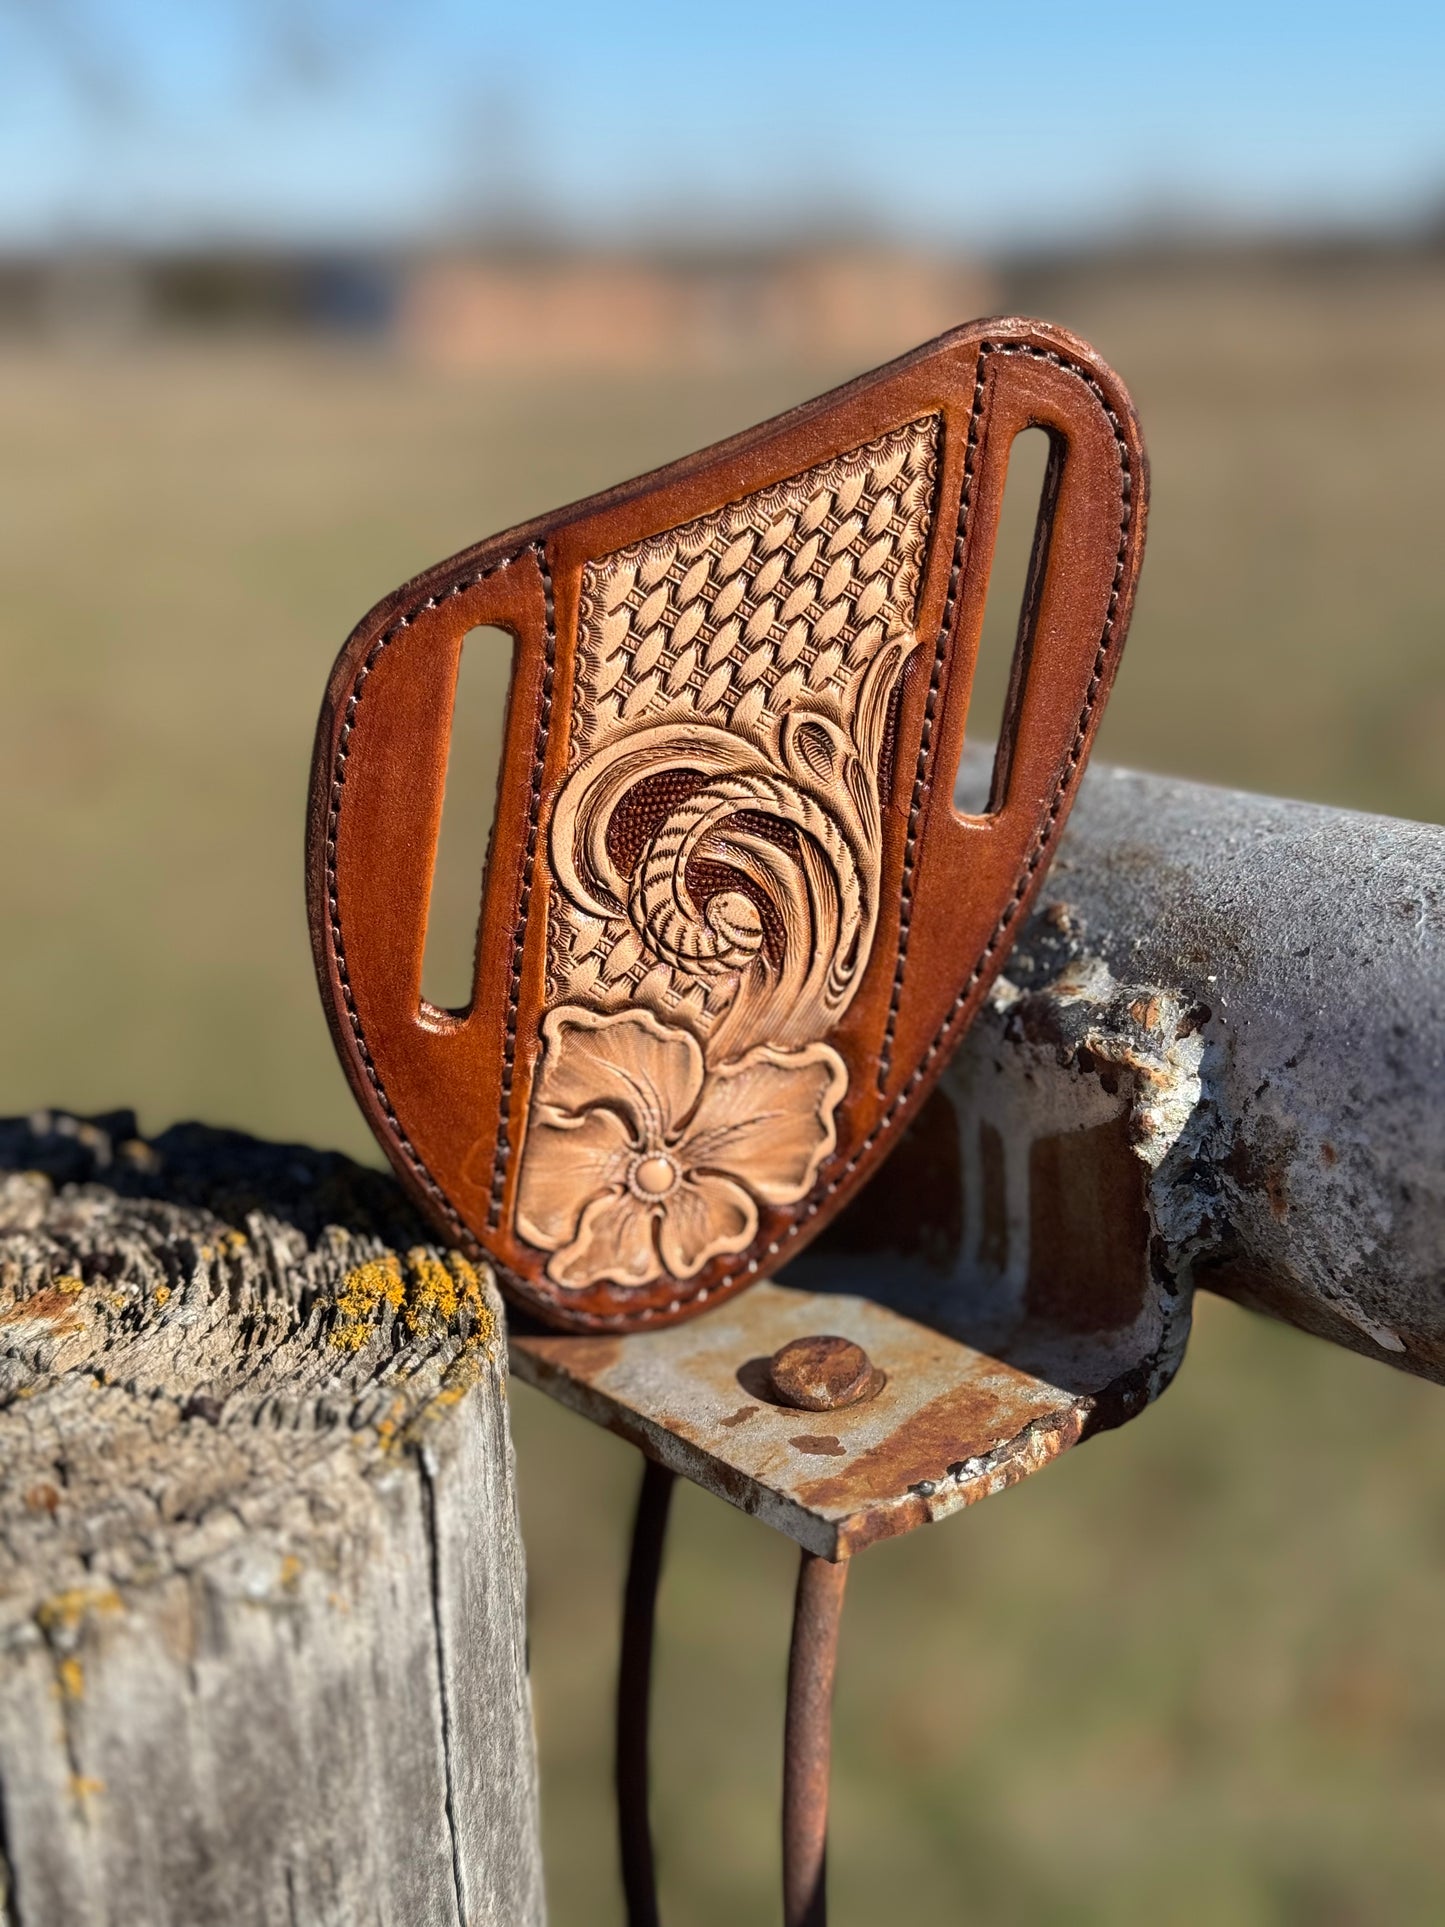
x=313 y=119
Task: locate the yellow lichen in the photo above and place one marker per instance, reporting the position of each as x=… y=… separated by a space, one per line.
x=71 y=1675
x=388 y=1429
x=70 y=1286
x=431 y=1295
x=162 y=1294
x=359 y=1302
x=83 y=1787
x=64 y=1611
x=234 y=1240
x=291 y=1570
x=440 y=1291
x=432 y=1299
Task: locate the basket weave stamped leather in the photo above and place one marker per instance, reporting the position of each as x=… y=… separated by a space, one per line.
x=732 y=923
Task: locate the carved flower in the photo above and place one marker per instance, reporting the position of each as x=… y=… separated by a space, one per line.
x=639 y=1161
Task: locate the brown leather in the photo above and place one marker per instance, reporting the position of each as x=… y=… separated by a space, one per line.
x=450 y=1097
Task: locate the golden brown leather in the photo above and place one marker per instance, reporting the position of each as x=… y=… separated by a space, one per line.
x=450 y=1097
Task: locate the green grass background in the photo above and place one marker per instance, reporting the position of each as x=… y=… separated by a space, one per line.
x=1194 y=1673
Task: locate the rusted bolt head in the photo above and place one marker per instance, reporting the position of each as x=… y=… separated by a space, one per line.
x=820 y=1374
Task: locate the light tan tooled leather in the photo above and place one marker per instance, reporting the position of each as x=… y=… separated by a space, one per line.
x=732 y=924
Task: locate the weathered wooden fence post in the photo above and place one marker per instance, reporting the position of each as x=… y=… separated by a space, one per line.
x=262 y=1647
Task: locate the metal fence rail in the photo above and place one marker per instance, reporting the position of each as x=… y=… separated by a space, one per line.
x=1264 y=982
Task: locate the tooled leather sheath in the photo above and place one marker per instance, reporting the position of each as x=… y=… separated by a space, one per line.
x=732 y=923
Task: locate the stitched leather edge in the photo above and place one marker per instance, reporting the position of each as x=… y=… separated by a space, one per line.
x=925 y=747
x=503 y=1155
x=333 y=819
x=930 y=711
x=808 y=1208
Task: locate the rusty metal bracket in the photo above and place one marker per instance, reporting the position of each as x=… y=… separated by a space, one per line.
x=950 y=1424
x=927 y=1424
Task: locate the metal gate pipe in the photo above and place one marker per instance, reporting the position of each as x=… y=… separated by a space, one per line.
x=1257 y=987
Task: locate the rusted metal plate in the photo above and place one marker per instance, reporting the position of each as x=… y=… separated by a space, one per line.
x=949 y=1425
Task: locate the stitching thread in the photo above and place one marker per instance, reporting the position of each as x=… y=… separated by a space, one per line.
x=524 y=901
x=338 y=782
x=925 y=741
x=821 y=1194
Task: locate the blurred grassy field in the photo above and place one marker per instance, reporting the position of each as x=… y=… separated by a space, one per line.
x=1192 y=1674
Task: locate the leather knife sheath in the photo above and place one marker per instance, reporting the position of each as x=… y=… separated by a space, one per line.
x=732 y=923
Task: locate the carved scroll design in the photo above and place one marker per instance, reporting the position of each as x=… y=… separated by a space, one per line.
x=716 y=852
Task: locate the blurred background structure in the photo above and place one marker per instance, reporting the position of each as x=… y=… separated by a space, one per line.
x=296 y=299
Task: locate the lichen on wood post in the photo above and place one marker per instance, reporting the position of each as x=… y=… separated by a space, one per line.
x=262 y=1646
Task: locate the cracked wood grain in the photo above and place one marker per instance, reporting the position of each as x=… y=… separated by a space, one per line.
x=262 y=1646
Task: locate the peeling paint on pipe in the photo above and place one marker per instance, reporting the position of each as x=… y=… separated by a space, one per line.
x=1244 y=998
